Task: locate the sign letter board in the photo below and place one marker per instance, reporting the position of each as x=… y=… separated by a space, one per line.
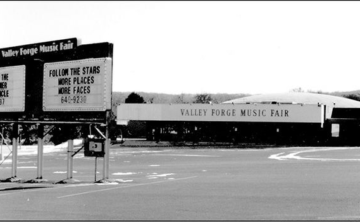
x=78 y=85
x=12 y=89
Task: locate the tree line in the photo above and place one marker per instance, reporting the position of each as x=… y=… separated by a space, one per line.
x=59 y=134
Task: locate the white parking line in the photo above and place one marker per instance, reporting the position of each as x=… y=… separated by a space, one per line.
x=294 y=155
x=120 y=187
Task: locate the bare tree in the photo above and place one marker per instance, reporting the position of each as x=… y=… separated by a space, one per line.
x=297 y=90
x=203 y=98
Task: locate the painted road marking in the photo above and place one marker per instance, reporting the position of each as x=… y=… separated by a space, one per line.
x=122 y=174
x=295 y=155
x=187 y=155
x=156 y=176
x=339 y=218
x=120 y=187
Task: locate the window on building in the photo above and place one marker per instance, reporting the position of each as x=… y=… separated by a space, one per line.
x=335 y=130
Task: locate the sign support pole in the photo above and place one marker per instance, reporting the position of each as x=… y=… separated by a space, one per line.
x=40 y=151
x=2 y=141
x=70 y=159
x=107 y=155
x=95 y=167
x=14 y=150
x=107 y=149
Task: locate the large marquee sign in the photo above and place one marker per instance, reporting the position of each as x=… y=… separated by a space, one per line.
x=12 y=89
x=221 y=113
x=57 y=82
x=79 y=85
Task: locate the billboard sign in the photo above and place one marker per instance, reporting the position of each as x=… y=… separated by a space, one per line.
x=12 y=89
x=78 y=85
x=222 y=112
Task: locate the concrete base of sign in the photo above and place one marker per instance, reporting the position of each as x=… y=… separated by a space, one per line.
x=19 y=180
x=107 y=181
x=69 y=181
x=113 y=181
x=65 y=181
x=39 y=181
x=13 y=180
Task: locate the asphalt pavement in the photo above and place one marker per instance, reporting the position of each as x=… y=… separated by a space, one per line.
x=167 y=183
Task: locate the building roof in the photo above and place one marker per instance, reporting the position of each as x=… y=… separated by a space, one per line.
x=299 y=98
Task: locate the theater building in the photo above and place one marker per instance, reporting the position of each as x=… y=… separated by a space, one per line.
x=282 y=119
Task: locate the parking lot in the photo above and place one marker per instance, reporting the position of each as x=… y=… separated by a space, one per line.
x=155 y=183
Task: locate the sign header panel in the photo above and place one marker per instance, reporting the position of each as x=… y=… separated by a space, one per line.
x=79 y=85
x=222 y=112
x=12 y=89
x=34 y=50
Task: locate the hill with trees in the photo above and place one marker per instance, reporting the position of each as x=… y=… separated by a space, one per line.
x=163 y=98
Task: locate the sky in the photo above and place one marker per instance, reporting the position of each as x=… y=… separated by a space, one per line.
x=196 y=47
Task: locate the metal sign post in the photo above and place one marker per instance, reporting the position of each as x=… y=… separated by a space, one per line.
x=96 y=148
x=14 y=150
x=2 y=141
x=40 y=151
x=107 y=149
x=70 y=159
x=95 y=167
x=106 y=161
